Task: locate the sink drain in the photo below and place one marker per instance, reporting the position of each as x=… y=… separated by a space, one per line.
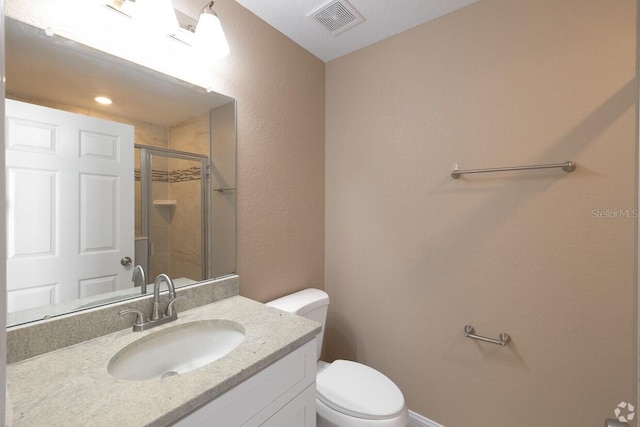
x=169 y=374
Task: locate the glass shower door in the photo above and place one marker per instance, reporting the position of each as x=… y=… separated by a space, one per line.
x=173 y=214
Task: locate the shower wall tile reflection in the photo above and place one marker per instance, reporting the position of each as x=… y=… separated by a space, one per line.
x=151 y=135
x=186 y=242
x=161 y=219
x=191 y=136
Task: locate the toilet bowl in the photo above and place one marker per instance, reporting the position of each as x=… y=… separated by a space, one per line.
x=349 y=394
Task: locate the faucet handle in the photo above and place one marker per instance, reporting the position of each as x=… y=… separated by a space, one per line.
x=169 y=311
x=141 y=318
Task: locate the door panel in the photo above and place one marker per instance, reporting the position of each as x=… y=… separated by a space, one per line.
x=70 y=205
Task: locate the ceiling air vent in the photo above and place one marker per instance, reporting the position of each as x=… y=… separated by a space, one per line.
x=337 y=16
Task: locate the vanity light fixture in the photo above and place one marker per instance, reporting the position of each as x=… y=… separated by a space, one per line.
x=209 y=37
x=157 y=15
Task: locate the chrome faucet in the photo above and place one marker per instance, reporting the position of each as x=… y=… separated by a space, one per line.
x=155 y=314
x=141 y=323
x=138 y=273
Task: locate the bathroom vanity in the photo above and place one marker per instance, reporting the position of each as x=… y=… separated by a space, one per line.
x=268 y=379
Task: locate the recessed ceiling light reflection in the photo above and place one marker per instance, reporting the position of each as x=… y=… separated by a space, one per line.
x=103 y=100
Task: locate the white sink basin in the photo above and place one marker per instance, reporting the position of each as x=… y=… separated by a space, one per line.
x=176 y=350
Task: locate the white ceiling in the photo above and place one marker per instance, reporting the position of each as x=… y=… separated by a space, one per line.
x=382 y=19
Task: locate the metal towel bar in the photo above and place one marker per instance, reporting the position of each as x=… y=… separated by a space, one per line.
x=502 y=340
x=567 y=166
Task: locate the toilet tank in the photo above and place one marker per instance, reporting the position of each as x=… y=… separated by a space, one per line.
x=310 y=303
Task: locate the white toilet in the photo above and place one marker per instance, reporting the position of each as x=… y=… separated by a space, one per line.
x=349 y=394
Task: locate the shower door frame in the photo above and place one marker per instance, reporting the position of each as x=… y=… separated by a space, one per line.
x=146 y=152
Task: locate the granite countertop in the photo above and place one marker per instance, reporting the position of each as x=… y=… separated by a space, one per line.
x=71 y=386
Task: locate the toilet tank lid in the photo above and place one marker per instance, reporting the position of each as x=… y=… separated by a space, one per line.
x=301 y=302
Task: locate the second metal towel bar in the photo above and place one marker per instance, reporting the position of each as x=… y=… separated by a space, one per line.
x=567 y=166
x=502 y=340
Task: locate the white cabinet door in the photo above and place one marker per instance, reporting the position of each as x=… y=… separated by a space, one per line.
x=300 y=412
x=282 y=392
x=70 y=205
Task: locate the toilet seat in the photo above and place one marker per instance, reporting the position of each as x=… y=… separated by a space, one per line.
x=359 y=391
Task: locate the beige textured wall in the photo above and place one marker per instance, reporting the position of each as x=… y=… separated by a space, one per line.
x=279 y=88
x=413 y=255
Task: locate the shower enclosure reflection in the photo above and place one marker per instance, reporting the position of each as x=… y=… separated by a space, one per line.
x=171 y=206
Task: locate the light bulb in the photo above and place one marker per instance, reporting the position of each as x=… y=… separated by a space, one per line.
x=158 y=15
x=209 y=38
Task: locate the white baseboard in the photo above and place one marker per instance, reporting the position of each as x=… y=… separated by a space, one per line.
x=417 y=420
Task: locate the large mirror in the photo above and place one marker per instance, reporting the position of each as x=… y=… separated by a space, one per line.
x=97 y=194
